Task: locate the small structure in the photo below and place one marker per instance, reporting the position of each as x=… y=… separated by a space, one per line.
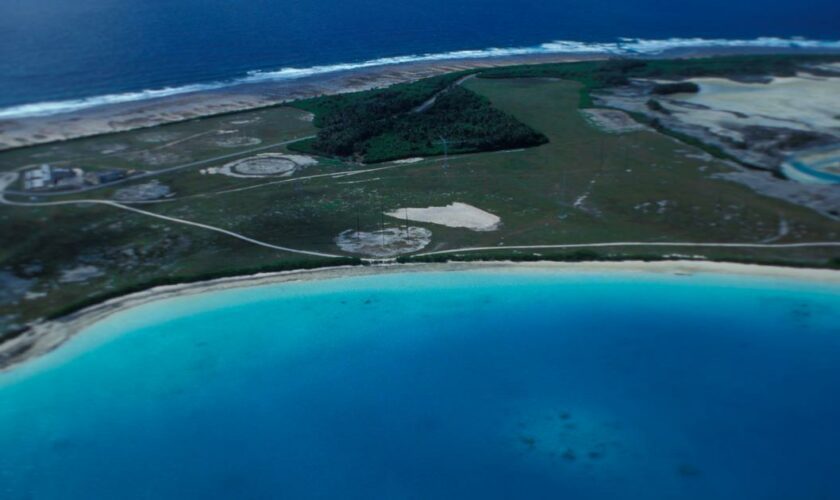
x=47 y=177
x=38 y=178
x=106 y=176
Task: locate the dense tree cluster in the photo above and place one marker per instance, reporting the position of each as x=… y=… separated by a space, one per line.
x=675 y=88
x=389 y=124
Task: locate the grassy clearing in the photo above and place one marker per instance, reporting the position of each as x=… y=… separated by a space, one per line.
x=169 y=145
x=595 y=75
x=582 y=186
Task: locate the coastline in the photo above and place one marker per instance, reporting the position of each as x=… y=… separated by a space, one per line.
x=124 y=117
x=102 y=119
x=46 y=336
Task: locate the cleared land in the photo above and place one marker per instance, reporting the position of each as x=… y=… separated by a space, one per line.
x=584 y=187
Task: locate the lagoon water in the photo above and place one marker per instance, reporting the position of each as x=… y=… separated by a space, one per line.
x=474 y=384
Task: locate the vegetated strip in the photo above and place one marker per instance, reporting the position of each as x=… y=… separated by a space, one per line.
x=815 y=244
x=603 y=74
x=170 y=219
x=424 y=118
x=155 y=173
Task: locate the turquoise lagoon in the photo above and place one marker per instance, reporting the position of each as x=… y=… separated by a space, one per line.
x=472 y=384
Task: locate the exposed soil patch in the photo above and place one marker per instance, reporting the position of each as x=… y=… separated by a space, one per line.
x=388 y=242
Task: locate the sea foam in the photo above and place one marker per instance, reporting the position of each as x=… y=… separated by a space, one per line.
x=621 y=47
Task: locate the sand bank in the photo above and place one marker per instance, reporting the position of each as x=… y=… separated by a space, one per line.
x=455 y=214
x=20 y=132
x=804 y=102
x=47 y=336
x=121 y=117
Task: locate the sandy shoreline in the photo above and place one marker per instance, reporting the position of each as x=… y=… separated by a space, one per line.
x=46 y=336
x=123 y=117
x=111 y=118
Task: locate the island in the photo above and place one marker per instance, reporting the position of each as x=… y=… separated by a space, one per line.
x=721 y=158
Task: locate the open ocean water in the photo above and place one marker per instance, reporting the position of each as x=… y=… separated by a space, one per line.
x=480 y=384
x=59 y=55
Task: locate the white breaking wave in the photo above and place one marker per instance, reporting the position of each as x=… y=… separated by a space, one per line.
x=624 y=46
x=57 y=107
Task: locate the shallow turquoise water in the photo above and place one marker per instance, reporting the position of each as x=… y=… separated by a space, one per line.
x=441 y=385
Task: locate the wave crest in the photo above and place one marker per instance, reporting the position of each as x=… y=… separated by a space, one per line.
x=624 y=46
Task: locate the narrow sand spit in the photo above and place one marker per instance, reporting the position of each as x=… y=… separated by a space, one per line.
x=140 y=114
x=453 y=215
x=46 y=336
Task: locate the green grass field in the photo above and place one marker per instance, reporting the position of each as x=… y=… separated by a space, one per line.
x=584 y=186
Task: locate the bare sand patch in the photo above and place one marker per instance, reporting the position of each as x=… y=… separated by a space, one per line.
x=246 y=121
x=801 y=102
x=148 y=191
x=113 y=148
x=156 y=158
x=45 y=336
x=453 y=215
x=388 y=242
x=158 y=136
x=80 y=274
x=611 y=121
x=237 y=142
x=408 y=161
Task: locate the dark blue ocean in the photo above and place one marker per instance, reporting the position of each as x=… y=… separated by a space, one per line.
x=481 y=384
x=59 y=51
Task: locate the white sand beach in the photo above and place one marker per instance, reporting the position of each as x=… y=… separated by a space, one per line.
x=49 y=335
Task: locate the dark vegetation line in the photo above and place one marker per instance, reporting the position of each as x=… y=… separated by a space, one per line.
x=383 y=125
x=294 y=265
x=600 y=75
x=378 y=125
x=582 y=255
x=585 y=255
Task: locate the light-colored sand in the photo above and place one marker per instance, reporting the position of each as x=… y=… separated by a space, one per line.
x=46 y=336
x=385 y=243
x=453 y=215
x=611 y=121
x=237 y=142
x=20 y=132
x=80 y=274
x=152 y=190
x=803 y=102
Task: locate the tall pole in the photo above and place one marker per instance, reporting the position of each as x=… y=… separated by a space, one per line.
x=407 y=230
x=382 y=221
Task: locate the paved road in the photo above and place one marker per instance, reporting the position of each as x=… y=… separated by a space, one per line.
x=156 y=173
x=431 y=101
x=10 y=177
